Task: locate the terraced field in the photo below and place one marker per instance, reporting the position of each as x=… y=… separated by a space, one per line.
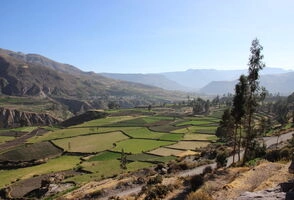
x=90 y=143
x=145 y=138
x=53 y=165
x=5 y=138
x=189 y=145
x=134 y=146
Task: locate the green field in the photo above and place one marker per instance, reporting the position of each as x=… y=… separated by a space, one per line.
x=107 y=155
x=105 y=121
x=149 y=158
x=172 y=137
x=62 y=133
x=198 y=122
x=139 y=145
x=163 y=128
x=25 y=129
x=199 y=136
x=146 y=138
x=53 y=165
x=104 y=169
x=197 y=129
x=90 y=143
x=5 y=139
x=30 y=152
x=143 y=132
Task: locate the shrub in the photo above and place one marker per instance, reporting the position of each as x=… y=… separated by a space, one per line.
x=273 y=155
x=285 y=153
x=196 y=182
x=155 y=180
x=184 y=166
x=158 y=192
x=221 y=158
x=198 y=195
x=253 y=162
x=207 y=170
x=260 y=151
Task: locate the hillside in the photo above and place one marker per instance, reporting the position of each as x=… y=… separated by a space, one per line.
x=274 y=83
x=157 y=80
x=34 y=75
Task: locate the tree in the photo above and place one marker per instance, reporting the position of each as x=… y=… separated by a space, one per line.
x=123 y=160
x=255 y=65
x=113 y=105
x=149 y=107
x=226 y=126
x=263 y=125
x=200 y=106
x=239 y=110
x=282 y=112
x=216 y=101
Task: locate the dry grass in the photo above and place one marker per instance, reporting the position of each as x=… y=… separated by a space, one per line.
x=266 y=175
x=189 y=145
x=167 y=152
x=199 y=195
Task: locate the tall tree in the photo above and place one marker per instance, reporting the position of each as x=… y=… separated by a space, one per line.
x=239 y=110
x=226 y=126
x=255 y=65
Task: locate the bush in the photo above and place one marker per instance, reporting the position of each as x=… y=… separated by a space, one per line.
x=285 y=153
x=198 y=195
x=221 y=158
x=158 y=192
x=207 y=170
x=254 y=162
x=155 y=180
x=196 y=182
x=273 y=155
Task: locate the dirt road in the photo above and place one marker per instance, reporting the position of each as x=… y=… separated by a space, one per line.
x=198 y=170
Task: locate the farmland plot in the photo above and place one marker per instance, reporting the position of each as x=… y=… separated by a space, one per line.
x=139 y=145
x=90 y=143
x=189 y=145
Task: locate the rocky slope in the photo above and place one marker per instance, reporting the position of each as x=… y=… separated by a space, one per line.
x=34 y=75
x=14 y=118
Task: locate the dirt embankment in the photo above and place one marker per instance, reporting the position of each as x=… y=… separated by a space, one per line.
x=15 y=118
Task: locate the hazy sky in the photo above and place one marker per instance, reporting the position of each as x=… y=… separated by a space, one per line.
x=144 y=36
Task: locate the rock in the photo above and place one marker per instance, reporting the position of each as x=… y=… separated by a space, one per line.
x=271 y=194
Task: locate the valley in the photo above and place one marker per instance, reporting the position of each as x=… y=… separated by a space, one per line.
x=69 y=134
x=96 y=146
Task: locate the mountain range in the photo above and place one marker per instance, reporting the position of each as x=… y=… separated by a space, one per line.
x=274 y=83
x=35 y=75
x=211 y=81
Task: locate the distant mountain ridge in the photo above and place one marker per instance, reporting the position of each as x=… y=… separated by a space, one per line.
x=198 y=78
x=158 y=80
x=208 y=81
x=275 y=83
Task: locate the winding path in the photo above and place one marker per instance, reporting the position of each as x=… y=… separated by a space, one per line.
x=21 y=140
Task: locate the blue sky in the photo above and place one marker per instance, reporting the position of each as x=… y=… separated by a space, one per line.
x=144 y=36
